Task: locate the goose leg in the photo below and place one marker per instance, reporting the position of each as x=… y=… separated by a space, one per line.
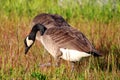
x=72 y=66
x=57 y=59
x=57 y=62
x=45 y=64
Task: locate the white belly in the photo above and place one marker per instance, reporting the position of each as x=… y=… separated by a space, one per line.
x=72 y=55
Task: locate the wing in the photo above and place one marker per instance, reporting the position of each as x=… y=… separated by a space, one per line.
x=50 y=20
x=70 y=38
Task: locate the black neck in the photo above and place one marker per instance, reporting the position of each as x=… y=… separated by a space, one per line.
x=35 y=29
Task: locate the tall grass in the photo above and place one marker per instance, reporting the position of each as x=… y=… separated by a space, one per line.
x=97 y=19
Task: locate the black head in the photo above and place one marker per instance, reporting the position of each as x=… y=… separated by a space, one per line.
x=29 y=40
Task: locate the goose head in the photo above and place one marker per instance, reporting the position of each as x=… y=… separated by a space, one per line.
x=28 y=43
x=30 y=39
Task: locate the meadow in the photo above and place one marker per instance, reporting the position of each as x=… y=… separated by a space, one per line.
x=99 y=20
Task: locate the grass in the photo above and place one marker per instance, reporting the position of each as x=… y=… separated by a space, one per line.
x=99 y=22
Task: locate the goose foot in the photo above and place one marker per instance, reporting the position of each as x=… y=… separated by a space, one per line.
x=45 y=65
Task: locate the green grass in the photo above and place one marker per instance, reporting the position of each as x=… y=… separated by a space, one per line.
x=100 y=23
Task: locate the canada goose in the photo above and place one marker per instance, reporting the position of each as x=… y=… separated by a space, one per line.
x=49 y=20
x=62 y=42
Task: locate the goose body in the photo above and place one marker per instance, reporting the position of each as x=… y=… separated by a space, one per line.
x=63 y=42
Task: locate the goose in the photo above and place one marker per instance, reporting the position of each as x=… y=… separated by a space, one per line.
x=49 y=20
x=62 y=43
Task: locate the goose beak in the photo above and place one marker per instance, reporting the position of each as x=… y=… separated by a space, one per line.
x=26 y=50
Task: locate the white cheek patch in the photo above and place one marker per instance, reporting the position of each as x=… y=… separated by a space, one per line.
x=29 y=42
x=73 y=55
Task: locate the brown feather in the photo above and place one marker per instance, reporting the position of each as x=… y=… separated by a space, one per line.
x=50 y=20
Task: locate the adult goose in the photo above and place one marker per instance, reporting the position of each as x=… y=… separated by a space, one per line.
x=49 y=20
x=62 y=42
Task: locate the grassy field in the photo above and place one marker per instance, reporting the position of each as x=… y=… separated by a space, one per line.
x=99 y=20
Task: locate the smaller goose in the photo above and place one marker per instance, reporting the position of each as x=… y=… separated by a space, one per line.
x=62 y=42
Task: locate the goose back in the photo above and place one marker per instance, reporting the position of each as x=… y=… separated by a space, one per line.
x=49 y=21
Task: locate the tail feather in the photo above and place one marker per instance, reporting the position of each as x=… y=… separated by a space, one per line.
x=95 y=53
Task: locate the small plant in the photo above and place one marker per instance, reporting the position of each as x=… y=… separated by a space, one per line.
x=38 y=76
